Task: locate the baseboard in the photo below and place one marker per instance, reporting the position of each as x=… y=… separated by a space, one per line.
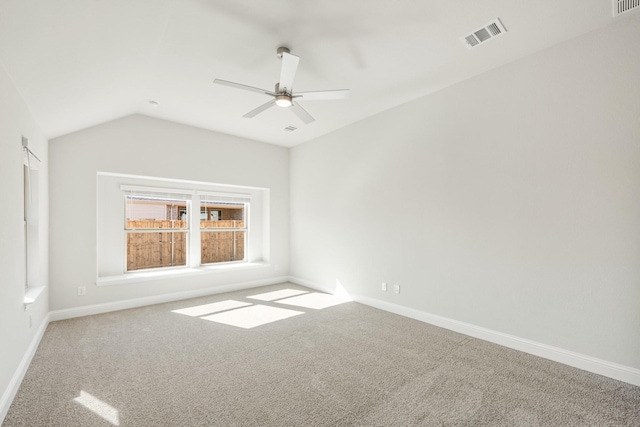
x=577 y=360
x=89 y=310
x=309 y=284
x=18 y=375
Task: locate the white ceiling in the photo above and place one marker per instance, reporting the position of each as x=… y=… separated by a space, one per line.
x=78 y=63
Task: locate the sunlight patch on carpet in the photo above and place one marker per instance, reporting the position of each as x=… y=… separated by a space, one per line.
x=341 y=292
x=314 y=300
x=201 y=310
x=250 y=317
x=283 y=293
x=98 y=407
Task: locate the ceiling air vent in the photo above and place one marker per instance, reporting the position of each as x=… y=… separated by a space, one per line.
x=290 y=129
x=490 y=31
x=624 y=6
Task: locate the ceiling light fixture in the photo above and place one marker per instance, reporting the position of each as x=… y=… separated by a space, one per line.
x=283 y=100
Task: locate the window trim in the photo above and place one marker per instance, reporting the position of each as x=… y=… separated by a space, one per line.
x=156 y=193
x=31 y=212
x=191 y=198
x=110 y=252
x=147 y=275
x=228 y=229
x=226 y=197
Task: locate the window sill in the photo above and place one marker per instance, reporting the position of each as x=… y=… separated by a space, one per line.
x=145 y=276
x=31 y=294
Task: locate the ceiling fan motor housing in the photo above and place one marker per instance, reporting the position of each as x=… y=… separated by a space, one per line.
x=283 y=91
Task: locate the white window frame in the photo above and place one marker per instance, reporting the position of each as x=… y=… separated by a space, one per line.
x=159 y=194
x=31 y=213
x=110 y=224
x=218 y=198
x=191 y=198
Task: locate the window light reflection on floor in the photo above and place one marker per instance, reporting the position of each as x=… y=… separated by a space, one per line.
x=341 y=292
x=274 y=295
x=314 y=300
x=250 y=317
x=98 y=407
x=201 y=310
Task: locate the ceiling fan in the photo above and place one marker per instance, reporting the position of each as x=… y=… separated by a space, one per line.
x=283 y=95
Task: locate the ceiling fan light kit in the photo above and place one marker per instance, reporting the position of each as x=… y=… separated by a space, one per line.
x=283 y=100
x=284 y=95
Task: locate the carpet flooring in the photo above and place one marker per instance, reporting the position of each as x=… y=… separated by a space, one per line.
x=285 y=355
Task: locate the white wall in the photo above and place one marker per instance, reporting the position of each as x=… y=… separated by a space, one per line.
x=510 y=201
x=15 y=331
x=141 y=145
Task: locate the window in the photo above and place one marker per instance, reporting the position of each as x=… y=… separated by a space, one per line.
x=223 y=227
x=26 y=210
x=146 y=225
x=31 y=214
x=146 y=247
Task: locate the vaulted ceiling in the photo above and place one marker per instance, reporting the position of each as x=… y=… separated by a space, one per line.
x=78 y=63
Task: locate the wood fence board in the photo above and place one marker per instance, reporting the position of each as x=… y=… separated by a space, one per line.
x=154 y=250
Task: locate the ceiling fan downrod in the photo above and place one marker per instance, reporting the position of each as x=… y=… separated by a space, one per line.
x=282 y=50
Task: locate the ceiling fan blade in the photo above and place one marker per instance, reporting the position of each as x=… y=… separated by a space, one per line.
x=244 y=87
x=260 y=109
x=302 y=113
x=288 y=71
x=321 y=95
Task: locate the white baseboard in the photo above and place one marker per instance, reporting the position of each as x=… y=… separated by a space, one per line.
x=308 y=284
x=16 y=380
x=577 y=360
x=89 y=310
x=18 y=375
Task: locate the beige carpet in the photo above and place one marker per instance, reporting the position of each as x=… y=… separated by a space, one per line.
x=346 y=364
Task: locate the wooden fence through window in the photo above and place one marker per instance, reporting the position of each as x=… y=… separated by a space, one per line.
x=221 y=246
x=168 y=246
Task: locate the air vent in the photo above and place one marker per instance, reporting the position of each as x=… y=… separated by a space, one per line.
x=490 y=31
x=624 y=6
x=290 y=129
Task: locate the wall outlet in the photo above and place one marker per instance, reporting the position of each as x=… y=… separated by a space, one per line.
x=396 y=289
x=82 y=290
x=384 y=286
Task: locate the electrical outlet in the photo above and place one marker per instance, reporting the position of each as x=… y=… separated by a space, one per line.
x=384 y=286
x=82 y=290
x=396 y=289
